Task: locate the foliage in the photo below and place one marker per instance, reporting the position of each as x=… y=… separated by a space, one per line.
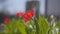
x=30 y=26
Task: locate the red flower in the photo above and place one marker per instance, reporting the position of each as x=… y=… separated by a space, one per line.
x=26 y=16
x=20 y=14
x=6 y=20
x=26 y=20
x=30 y=13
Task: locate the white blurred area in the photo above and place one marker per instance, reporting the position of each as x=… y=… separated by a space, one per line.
x=14 y=6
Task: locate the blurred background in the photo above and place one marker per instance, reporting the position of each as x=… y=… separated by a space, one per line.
x=9 y=8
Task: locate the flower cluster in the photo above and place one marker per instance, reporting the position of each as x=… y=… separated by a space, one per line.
x=27 y=16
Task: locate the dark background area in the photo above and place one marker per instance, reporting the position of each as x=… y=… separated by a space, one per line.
x=53 y=7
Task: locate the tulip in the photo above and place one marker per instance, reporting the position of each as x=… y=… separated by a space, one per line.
x=52 y=16
x=26 y=16
x=26 y=20
x=30 y=13
x=20 y=14
x=6 y=20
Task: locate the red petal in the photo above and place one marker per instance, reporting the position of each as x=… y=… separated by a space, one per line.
x=6 y=20
x=20 y=14
x=26 y=16
x=30 y=13
x=26 y=20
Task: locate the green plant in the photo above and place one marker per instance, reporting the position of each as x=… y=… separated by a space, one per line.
x=30 y=26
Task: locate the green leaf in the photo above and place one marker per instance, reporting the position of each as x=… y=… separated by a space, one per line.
x=20 y=26
x=42 y=25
